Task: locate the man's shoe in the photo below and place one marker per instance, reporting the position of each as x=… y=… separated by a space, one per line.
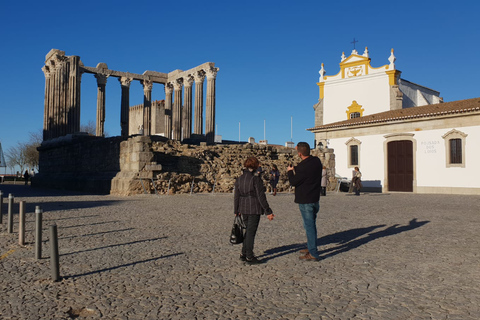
x=308 y=257
x=304 y=251
x=243 y=257
x=253 y=260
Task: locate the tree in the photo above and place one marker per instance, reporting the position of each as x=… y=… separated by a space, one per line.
x=91 y=128
x=25 y=155
x=16 y=157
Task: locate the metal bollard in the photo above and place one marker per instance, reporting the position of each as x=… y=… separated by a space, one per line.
x=38 y=232
x=10 y=213
x=214 y=184
x=54 y=260
x=1 y=207
x=168 y=189
x=21 y=224
x=193 y=183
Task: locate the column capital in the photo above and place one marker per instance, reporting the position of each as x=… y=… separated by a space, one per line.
x=125 y=81
x=199 y=76
x=177 y=84
x=46 y=71
x=147 y=85
x=188 y=80
x=101 y=78
x=212 y=73
x=168 y=88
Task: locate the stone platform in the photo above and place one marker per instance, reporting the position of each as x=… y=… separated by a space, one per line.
x=384 y=256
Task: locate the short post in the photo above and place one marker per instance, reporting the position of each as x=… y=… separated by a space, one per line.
x=21 y=224
x=168 y=189
x=10 y=213
x=193 y=183
x=38 y=232
x=54 y=260
x=1 y=207
x=214 y=183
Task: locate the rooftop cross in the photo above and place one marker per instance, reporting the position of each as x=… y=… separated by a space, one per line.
x=354 y=41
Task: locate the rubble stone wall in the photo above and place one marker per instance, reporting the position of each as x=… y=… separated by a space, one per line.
x=170 y=167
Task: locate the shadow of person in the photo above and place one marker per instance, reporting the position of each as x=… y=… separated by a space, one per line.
x=346 y=240
x=339 y=237
x=390 y=231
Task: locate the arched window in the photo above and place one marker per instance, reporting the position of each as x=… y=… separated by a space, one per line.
x=455 y=148
x=353 y=151
x=354 y=111
x=354 y=115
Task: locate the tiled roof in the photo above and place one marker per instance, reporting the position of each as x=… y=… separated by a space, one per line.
x=428 y=111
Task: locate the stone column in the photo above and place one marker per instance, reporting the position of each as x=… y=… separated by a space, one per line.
x=57 y=112
x=125 y=105
x=51 y=104
x=177 y=110
x=210 y=112
x=168 y=110
x=187 y=108
x=147 y=107
x=46 y=113
x=74 y=86
x=101 y=82
x=198 y=122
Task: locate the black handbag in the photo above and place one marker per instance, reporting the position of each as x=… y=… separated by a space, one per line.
x=238 y=231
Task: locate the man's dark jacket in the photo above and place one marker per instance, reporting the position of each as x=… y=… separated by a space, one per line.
x=307 y=180
x=250 y=195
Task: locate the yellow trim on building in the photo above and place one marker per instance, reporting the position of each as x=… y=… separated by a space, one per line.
x=354 y=107
x=321 y=87
x=392 y=77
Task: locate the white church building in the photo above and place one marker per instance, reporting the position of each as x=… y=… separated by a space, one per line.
x=400 y=134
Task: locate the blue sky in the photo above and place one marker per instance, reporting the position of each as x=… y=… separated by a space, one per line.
x=268 y=52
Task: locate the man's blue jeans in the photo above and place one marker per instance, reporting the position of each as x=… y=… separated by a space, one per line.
x=309 y=215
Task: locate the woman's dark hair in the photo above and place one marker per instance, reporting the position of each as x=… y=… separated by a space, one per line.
x=251 y=163
x=274 y=167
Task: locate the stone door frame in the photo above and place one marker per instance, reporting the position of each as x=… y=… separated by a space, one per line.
x=399 y=137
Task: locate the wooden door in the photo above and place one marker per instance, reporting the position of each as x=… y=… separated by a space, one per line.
x=400 y=166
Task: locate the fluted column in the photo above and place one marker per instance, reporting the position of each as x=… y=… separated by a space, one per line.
x=125 y=106
x=187 y=108
x=147 y=106
x=198 y=121
x=101 y=82
x=51 y=103
x=46 y=113
x=177 y=110
x=210 y=112
x=168 y=110
x=74 y=86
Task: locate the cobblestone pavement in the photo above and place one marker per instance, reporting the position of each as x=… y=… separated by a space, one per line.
x=384 y=256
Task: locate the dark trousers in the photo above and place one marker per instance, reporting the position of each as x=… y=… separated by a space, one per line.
x=251 y=222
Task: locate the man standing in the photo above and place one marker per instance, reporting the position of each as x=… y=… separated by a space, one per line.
x=306 y=177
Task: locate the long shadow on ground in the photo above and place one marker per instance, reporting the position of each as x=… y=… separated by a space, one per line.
x=346 y=240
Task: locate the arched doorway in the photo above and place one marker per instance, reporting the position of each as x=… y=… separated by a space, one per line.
x=400 y=165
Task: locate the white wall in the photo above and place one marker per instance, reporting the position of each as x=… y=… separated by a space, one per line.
x=372 y=92
x=415 y=95
x=430 y=157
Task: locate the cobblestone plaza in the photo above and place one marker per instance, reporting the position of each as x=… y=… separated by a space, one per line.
x=384 y=256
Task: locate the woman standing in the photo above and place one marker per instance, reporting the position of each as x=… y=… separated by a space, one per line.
x=250 y=202
x=357 y=181
x=324 y=181
x=274 y=177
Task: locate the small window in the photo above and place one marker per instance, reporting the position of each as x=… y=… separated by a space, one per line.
x=455 y=151
x=455 y=142
x=354 y=155
x=354 y=115
x=353 y=150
